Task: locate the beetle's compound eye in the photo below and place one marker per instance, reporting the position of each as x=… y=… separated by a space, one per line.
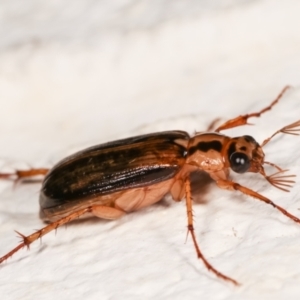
x=239 y=162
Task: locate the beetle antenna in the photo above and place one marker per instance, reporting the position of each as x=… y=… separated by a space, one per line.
x=273 y=165
x=293 y=129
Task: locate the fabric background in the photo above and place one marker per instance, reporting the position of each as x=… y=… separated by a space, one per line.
x=78 y=73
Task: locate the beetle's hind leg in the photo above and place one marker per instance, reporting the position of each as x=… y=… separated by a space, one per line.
x=97 y=210
x=188 y=197
x=24 y=174
x=243 y=120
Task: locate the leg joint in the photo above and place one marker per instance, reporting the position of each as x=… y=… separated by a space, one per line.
x=190 y=227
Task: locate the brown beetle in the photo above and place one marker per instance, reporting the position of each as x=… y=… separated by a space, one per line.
x=119 y=177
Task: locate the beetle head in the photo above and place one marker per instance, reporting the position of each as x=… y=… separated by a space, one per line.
x=246 y=155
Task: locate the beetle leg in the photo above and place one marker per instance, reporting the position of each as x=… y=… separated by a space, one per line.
x=242 y=120
x=188 y=197
x=24 y=174
x=178 y=189
x=97 y=210
x=230 y=185
x=212 y=125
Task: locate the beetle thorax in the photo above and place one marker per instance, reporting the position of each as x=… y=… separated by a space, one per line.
x=205 y=151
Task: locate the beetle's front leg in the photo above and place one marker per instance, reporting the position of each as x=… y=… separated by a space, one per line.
x=230 y=185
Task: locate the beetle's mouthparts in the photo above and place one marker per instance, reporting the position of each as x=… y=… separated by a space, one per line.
x=277 y=179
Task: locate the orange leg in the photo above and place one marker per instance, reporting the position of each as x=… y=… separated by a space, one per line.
x=242 y=120
x=230 y=185
x=191 y=231
x=24 y=174
x=212 y=125
x=97 y=210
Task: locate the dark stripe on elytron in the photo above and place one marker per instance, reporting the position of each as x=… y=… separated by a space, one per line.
x=231 y=149
x=206 y=146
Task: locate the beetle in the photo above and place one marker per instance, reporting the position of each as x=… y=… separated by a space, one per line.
x=115 y=178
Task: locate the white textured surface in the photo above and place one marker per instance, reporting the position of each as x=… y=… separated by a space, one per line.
x=76 y=73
